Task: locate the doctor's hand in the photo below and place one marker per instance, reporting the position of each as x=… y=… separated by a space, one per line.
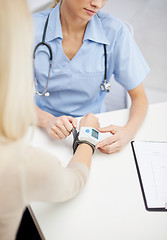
x=89 y=120
x=119 y=138
x=61 y=127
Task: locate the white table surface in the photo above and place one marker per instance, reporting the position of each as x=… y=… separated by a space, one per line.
x=111 y=206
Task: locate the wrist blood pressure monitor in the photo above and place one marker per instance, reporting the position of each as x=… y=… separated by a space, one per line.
x=89 y=134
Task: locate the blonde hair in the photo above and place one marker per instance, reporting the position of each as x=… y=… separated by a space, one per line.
x=16 y=96
x=56 y=2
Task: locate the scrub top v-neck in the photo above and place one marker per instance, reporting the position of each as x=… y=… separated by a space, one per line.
x=74 y=84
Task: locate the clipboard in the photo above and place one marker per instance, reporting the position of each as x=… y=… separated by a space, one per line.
x=151 y=164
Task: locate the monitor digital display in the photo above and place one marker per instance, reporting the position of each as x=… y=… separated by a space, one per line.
x=95 y=133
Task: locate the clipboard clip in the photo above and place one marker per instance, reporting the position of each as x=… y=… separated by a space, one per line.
x=165 y=206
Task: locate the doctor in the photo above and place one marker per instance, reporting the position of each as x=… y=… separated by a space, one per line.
x=77 y=49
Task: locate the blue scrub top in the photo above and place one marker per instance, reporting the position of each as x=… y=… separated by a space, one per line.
x=74 y=85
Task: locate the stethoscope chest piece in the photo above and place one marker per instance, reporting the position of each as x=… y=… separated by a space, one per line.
x=105 y=87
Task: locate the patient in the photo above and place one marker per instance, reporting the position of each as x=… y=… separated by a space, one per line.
x=26 y=173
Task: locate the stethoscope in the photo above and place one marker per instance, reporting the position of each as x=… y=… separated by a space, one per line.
x=105 y=86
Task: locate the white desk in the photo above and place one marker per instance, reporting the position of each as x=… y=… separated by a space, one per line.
x=111 y=206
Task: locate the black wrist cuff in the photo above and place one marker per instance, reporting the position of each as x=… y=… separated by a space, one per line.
x=77 y=142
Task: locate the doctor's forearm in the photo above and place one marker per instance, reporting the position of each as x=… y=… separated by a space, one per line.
x=137 y=114
x=42 y=117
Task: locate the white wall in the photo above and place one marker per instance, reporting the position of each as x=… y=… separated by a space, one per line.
x=36 y=5
x=149 y=20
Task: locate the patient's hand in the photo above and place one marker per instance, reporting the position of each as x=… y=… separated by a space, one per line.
x=89 y=120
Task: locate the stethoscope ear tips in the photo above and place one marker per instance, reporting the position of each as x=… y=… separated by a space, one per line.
x=47 y=94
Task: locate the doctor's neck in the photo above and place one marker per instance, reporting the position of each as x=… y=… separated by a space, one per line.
x=72 y=21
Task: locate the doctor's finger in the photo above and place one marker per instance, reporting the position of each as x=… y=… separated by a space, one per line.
x=53 y=134
x=109 y=151
x=73 y=121
x=64 y=125
x=107 y=141
x=114 y=147
x=62 y=133
x=68 y=125
x=110 y=128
